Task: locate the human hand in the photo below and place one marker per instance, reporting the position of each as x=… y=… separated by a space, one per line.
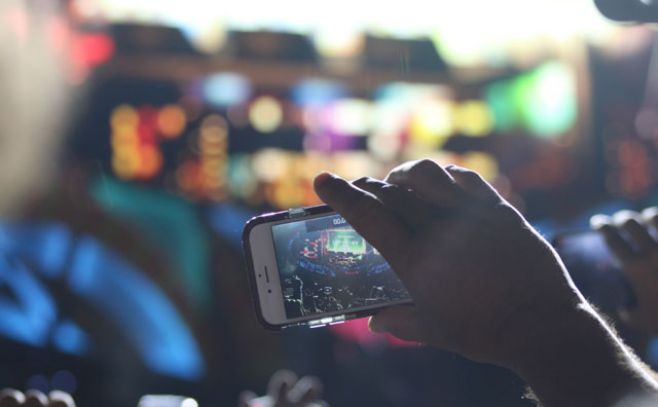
x=34 y=398
x=630 y=237
x=484 y=283
x=285 y=390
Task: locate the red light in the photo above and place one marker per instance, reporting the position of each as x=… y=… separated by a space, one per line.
x=93 y=50
x=357 y=331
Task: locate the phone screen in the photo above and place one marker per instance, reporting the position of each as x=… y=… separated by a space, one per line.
x=594 y=269
x=326 y=266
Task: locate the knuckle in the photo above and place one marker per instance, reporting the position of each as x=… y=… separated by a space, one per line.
x=424 y=165
x=362 y=181
x=631 y=223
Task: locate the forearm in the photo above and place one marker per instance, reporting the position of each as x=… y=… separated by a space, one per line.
x=579 y=361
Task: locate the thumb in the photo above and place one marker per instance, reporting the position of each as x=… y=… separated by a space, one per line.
x=400 y=321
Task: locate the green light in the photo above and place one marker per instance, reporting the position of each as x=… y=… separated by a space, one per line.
x=346 y=241
x=543 y=101
x=551 y=105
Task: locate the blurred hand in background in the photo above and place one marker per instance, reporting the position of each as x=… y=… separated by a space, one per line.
x=34 y=398
x=286 y=390
x=632 y=238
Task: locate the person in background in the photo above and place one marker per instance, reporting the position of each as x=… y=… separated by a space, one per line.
x=633 y=239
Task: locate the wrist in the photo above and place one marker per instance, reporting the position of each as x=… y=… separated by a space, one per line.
x=573 y=358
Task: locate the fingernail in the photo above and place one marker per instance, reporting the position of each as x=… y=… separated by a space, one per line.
x=454 y=167
x=373 y=326
x=322 y=178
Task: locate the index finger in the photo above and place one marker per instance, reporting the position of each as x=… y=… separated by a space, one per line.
x=367 y=214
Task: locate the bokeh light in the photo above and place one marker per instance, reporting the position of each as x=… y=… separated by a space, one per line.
x=473 y=118
x=351 y=117
x=432 y=123
x=226 y=89
x=266 y=114
x=171 y=121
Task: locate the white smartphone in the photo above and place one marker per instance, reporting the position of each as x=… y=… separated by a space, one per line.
x=308 y=266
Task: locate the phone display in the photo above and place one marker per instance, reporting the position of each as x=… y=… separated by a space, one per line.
x=326 y=266
x=316 y=268
x=594 y=269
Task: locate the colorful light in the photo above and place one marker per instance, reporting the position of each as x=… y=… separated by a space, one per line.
x=317 y=92
x=543 y=102
x=135 y=152
x=351 y=117
x=551 y=102
x=432 y=123
x=266 y=114
x=483 y=163
x=474 y=118
x=270 y=165
x=171 y=121
x=213 y=147
x=226 y=89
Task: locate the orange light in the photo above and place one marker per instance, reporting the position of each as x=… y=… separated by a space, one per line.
x=126 y=163
x=124 y=116
x=151 y=162
x=187 y=176
x=171 y=121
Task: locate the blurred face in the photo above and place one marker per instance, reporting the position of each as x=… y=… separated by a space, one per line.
x=32 y=98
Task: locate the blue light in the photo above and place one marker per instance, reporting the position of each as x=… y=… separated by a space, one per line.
x=317 y=92
x=68 y=337
x=228 y=221
x=652 y=353
x=29 y=317
x=223 y=90
x=138 y=307
x=46 y=245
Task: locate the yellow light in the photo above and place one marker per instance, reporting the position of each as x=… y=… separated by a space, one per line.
x=266 y=114
x=124 y=116
x=483 y=163
x=474 y=118
x=126 y=164
x=171 y=121
x=286 y=194
x=432 y=123
x=123 y=139
x=270 y=165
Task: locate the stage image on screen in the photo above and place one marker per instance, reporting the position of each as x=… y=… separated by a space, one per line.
x=326 y=266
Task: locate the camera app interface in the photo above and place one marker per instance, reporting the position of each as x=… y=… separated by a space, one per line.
x=325 y=266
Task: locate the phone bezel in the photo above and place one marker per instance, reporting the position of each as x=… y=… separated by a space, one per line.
x=270 y=304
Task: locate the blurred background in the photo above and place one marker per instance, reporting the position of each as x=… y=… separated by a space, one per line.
x=190 y=117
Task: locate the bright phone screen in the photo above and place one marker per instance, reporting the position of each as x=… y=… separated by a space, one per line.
x=326 y=266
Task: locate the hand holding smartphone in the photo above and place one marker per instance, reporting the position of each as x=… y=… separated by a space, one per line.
x=310 y=267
